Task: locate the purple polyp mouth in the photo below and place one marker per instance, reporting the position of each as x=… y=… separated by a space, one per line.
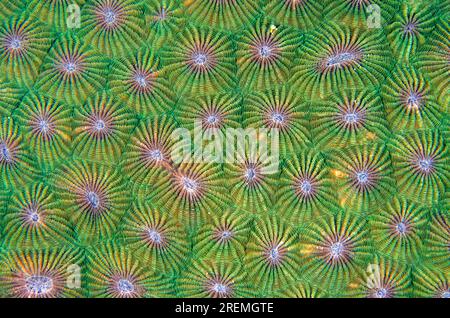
x=340 y=58
x=336 y=249
x=274 y=254
x=189 y=184
x=220 y=288
x=4 y=153
x=265 y=51
x=155 y=154
x=306 y=187
x=381 y=293
x=70 y=67
x=362 y=177
x=43 y=126
x=93 y=199
x=226 y=234
x=212 y=119
x=15 y=43
x=141 y=80
x=250 y=174
x=154 y=236
x=445 y=294
x=125 y=286
x=413 y=98
x=277 y=118
x=100 y=125
x=200 y=58
x=110 y=16
x=426 y=165
x=34 y=217
x=351 y=118
x=401 y=228
x=39 y=285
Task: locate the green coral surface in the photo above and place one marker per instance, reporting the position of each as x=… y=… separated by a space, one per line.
x=98 y=99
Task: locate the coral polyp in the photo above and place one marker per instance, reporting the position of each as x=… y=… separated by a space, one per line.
x=387 y=279
x=140 y=84
x=272 y=254
x=71 y=70
x=202 y=61
x=278 y=110
x=304 y=187
x=16 y=160
x=407 y=31
x=337 y=56
x=265 y=55
x=431 y=282
x=192 y=190
x=164 y=20
x=102 y=126
x=250 y=180
x=363 y=175
x=348 y=118
x=409 y=100
x=9 y=7
x=41 y=273
x=333 y=248
x=421 y=165
x=115 y=27
x=214 y=279
x=211 y=112
x=150 y=149
x=47 y=127
x=156 y=238
x=33 y=219
x=23 y=45
x=94 y=195
x=224 y=237
x=397 y=229
x=115 y=273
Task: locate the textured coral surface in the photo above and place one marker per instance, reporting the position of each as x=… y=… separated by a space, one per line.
x=95 y=201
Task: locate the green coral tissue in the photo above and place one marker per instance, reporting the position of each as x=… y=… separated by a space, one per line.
x=224 y=148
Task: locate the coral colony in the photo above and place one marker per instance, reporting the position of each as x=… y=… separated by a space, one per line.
x=223 y=148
